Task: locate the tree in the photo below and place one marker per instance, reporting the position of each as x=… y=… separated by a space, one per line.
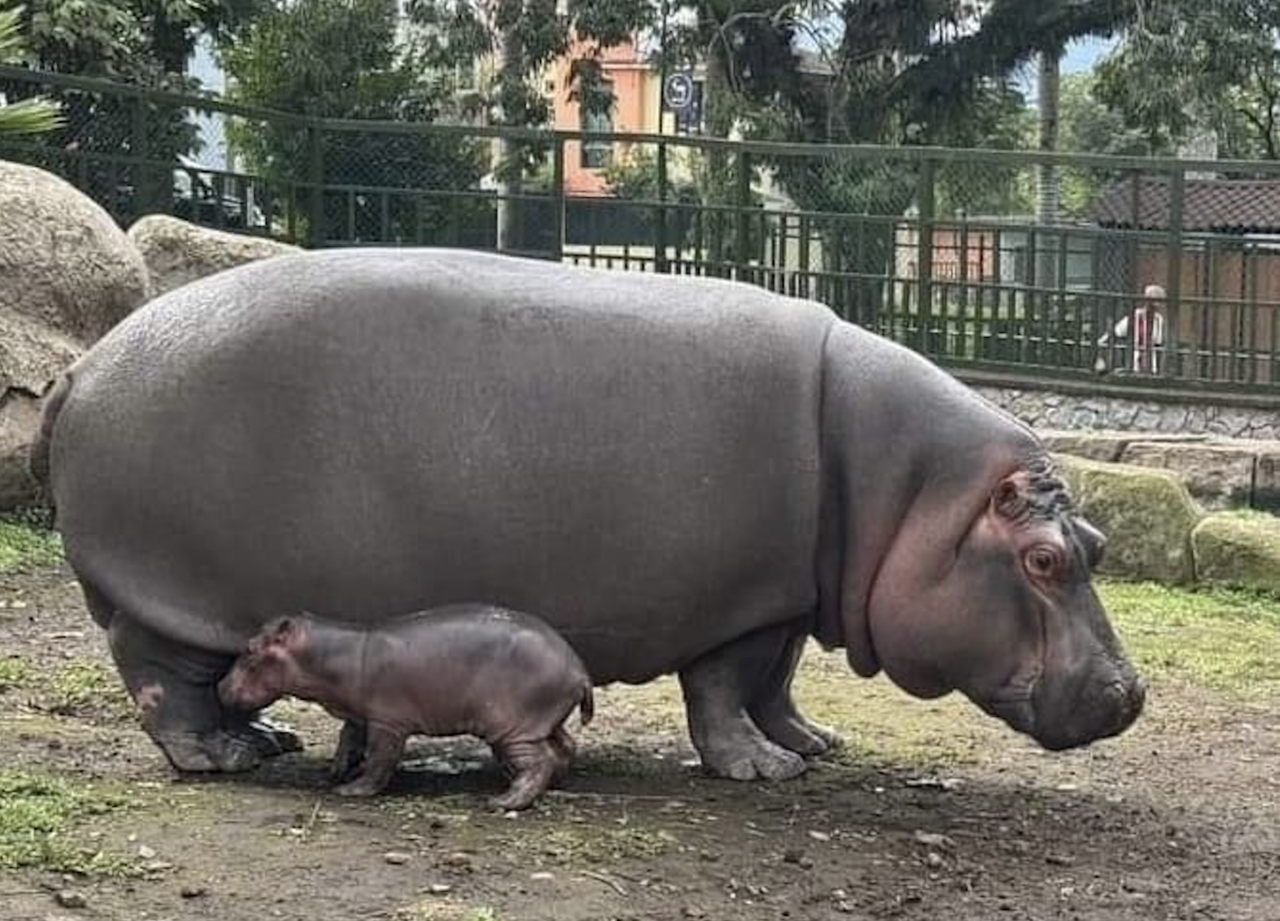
x=1185 y=65
x=28 y=116
x=342 y=59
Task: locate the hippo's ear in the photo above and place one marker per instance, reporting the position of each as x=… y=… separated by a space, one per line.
x=1009 y=499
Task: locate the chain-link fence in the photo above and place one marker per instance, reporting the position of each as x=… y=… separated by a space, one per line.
x=1151 y=272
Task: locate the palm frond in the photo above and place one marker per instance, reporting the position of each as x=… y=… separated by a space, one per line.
x=30 y=116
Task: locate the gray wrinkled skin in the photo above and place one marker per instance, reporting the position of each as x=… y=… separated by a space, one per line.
x=679 y=475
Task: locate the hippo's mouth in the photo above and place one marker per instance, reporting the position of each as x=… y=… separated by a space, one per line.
x=1016 y=707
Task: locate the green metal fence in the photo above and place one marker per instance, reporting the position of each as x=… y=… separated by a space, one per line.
x=947 y=251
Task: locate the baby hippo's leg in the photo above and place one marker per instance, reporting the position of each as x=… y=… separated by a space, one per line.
x=349 y=755
x=565 y=749
x=534 y=764
x=381 y=758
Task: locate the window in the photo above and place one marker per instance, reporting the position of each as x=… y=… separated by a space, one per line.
x=597 y=154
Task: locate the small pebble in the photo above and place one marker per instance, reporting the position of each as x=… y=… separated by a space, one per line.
x=439 y=889
x=69 y=899
x=1059 y=860
x=194 y=892
x=543 y=875
x=692 y=911
x=819 y=836
x=396 y=858
x=146 y=853
x=934 y=859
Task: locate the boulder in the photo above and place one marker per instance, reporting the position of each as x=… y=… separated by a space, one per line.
x=1240 y=549
x=177 y=252
x=68 y=274
x=1104 y=445
x=1218 y=475
x=1147 y=515
x=1266 y=477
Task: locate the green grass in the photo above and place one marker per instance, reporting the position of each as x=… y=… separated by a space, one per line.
x=87 y=685
x=39 y=816
x=1223 y=639
x=13 y=673
x=24 y=545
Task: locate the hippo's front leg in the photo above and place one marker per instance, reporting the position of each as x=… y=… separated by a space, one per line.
x=175 y=688
x=774 y=710
x=381 y=758
x=349 y=755
x=718 y=689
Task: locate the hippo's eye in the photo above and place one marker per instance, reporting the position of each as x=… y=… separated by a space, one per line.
x=1042 y=562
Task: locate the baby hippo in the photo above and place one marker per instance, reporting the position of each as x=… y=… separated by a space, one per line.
x=501 y=675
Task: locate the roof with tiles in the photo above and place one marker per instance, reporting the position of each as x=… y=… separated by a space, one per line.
x=1209 y=205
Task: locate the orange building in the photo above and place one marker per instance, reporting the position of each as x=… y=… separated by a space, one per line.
x=635 y=84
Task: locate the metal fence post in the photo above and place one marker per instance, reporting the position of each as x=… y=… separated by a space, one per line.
x=139 y=147
x=660 y=236
x=1173 y=287
x=743 y=203
x=315 y=178
x=557 y=199
x=924 y=253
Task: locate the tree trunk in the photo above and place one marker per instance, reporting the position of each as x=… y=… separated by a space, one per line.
x=1048 y=198
x=508 y=177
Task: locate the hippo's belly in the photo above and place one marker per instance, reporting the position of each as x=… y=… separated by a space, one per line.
x=634 y=459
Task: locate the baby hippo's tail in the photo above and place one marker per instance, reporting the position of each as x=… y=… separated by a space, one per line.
x=587 y=705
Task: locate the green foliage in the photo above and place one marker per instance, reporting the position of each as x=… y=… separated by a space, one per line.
x=25 y=547
x=341 y=59
x=1189 y=64
x=38 y=818
x=28 y=116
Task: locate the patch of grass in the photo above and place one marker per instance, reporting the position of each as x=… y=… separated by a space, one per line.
x=578 y=844
x=38 y=819
x=24 y=546
x=1228 y=640
x=87 y=685
x=441 y=909
x=13 y=673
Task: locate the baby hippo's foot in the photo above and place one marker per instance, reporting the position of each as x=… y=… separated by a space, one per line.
x=364 y=785
x=349 y=755
x=535 y=765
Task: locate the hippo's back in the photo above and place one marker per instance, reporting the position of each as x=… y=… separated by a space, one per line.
x=633 y=458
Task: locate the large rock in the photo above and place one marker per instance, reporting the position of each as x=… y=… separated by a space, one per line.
x=177 y=252
x=1240 y=549
x=67 y=275
x=1218 y=475
x=1147 y=515
x=1104 y=445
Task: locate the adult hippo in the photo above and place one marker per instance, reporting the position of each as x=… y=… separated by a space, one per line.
x=680 y=475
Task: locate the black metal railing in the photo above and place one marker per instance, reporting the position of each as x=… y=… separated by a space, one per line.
x=943 y=250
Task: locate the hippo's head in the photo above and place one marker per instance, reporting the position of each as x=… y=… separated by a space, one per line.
x=267 y=668
x=1001 y=607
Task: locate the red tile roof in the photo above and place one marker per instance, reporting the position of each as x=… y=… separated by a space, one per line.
x=1209 y=205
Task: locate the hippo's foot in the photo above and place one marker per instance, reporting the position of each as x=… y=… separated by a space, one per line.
x=269 y=738
x=786 y=727
x=718 y=689
x=536 y=766
x=217 y=751
x=382 y=750
x=349 y=755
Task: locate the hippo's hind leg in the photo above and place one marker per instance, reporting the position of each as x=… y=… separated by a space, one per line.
x=718 y=691
x=773 y=709
x=536 y=765
x=175 y=688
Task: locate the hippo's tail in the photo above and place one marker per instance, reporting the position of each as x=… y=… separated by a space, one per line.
x=587 y=705
x=38 y=462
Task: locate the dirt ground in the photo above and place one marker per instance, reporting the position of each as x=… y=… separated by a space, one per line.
x=931 y=811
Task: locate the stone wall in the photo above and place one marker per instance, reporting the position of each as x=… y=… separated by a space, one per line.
x=1185 y=414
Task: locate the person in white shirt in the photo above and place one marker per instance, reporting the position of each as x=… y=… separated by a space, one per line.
x=1147 y=323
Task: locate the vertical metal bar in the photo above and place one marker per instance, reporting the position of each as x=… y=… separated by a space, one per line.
x=1056 y=326
x=660 y=243
x=315 y=179
x=1026 y=325
x=139 y=148
x=1173 y=287
x=924 y=251
x=557 y=200
x=743 y=197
